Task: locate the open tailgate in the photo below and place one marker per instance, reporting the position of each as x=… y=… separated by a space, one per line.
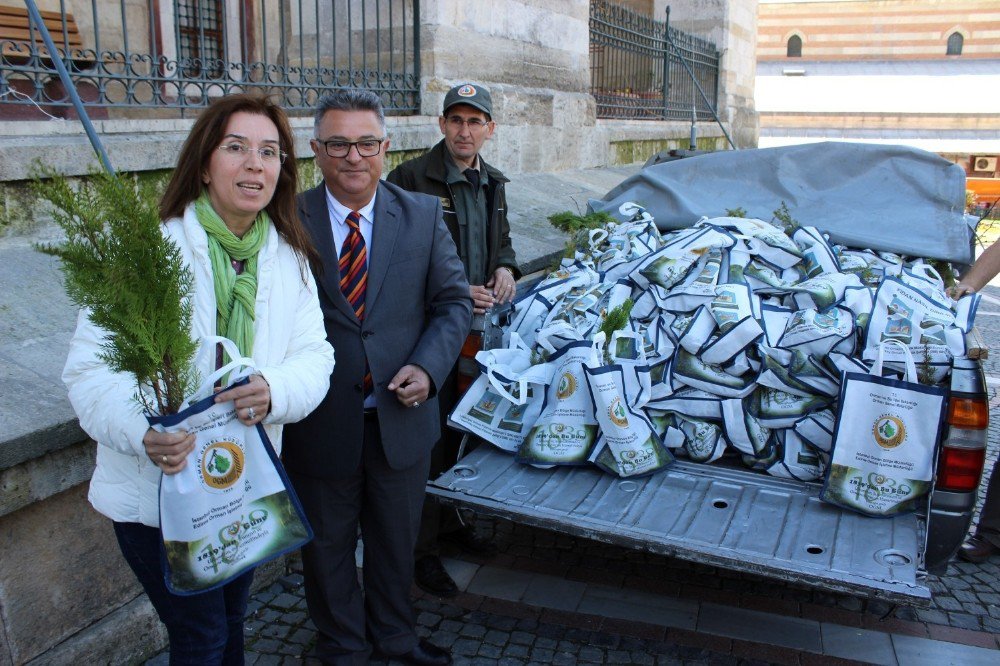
x=730 y=518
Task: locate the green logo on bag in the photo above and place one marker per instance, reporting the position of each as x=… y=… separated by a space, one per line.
x=889 y=431
x=222 y=464
x=618 y=414
x=566 y=387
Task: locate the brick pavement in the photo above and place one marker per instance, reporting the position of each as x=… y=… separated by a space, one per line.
x=549 y=598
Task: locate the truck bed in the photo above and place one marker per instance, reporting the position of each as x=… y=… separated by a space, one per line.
x=732 y=518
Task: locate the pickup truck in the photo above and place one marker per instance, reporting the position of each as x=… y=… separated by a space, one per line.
x=743 y=520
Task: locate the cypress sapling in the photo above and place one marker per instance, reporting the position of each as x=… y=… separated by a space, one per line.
x=117 y=262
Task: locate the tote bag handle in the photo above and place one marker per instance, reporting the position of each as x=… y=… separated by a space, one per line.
x=911 y=368
x=238 y=362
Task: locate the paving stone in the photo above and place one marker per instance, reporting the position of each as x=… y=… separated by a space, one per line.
x=913 y=650
x=496 y=637
x=501 y=622
x=964 y=621
x=566 y=646
x=465 y=646
x=965 y=596
x=752 y=626
x=443 y=639
x=522 y=638
x=490 y=651
x=472 y=631
x=641 y=658
x=451 y=625
x=510 y=661
x=564 y=659
x=932 y=615
x=857 y=644
x=948 y=604
x=515 y=650
x=619 y=657
x=544 y=655
x=428 y=619
x=546 y=643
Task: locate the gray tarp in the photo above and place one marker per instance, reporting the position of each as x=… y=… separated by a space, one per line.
x=891 y=198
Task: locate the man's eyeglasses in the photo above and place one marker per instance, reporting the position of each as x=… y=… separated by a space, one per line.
x=268 y=154
x=473 y=123
x=366 y=147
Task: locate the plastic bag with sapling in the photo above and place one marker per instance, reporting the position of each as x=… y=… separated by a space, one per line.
x=824 y=290
x=692 y=403
x=502 y=404
x=744 y=430
x=671 y=263
x=817 y=333
x=818 y=255
x=566 y=429
x=619 y=391
x=780 y=409
x=904 y=314
x=691 y=370
x=816 y=429
x=796 y=459
x=764 y=239
x=703 y=441
x=885 y=440
x=735 y=310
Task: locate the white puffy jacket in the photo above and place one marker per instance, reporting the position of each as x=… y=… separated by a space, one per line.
x=290 y=350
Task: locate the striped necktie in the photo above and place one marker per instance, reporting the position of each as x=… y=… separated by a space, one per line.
x=354 y=276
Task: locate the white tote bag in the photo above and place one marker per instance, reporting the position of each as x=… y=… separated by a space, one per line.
x=884 y=441
x=231 y=508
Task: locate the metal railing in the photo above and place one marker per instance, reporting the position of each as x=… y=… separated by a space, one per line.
x=642 y=68
x=178 y=55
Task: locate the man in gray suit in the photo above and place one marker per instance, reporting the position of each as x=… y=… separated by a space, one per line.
x=397 y=309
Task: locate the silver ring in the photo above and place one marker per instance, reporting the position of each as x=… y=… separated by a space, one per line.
x=416 y=403
x=251 y=414
x=163 y=460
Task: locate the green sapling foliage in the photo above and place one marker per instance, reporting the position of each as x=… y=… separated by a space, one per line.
x=117 y=263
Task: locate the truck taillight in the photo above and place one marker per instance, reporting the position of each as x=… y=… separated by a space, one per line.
x=468 y=371
x=959 y=469
x=968 y=412
x=963 y=454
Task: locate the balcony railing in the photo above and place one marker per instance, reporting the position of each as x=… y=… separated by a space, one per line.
x=167 y=57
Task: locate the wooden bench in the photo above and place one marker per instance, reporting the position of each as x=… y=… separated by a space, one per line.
x=17 y=36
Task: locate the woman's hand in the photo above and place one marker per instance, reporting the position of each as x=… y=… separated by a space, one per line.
x=168 y=450
x=253 y=400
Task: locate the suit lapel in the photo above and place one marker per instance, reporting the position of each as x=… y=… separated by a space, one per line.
x=385 y=229
x=319 y=225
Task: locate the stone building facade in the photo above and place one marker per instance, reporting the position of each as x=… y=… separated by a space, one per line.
x=924 y=73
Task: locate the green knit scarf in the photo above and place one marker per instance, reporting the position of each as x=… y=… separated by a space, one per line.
x=235 y=295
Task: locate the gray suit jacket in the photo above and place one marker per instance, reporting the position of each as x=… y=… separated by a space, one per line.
x=417 y=310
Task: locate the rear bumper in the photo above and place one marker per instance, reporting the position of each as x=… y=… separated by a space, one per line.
x=950 y=517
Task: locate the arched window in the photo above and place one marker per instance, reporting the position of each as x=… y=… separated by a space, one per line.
x=795 y=46
x=955 y=41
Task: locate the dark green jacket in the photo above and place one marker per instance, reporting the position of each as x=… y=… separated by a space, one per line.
x=428 y=174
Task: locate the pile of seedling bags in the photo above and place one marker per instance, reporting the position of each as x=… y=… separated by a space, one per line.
x=730 y=335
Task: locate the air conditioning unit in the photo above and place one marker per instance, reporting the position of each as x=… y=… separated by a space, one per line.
x=984 y=164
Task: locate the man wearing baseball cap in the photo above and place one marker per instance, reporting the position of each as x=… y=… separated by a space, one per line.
x=475 y=211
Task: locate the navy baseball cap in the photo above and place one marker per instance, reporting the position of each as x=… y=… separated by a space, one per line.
x=475 y=96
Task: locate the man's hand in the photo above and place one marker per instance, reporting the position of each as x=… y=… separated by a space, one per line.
x=412 y=385
x=482 y=298
x=168 y=450
x=502 y=284
x=253 y=400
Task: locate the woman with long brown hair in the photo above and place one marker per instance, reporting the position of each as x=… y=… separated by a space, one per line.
x=230 y=208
